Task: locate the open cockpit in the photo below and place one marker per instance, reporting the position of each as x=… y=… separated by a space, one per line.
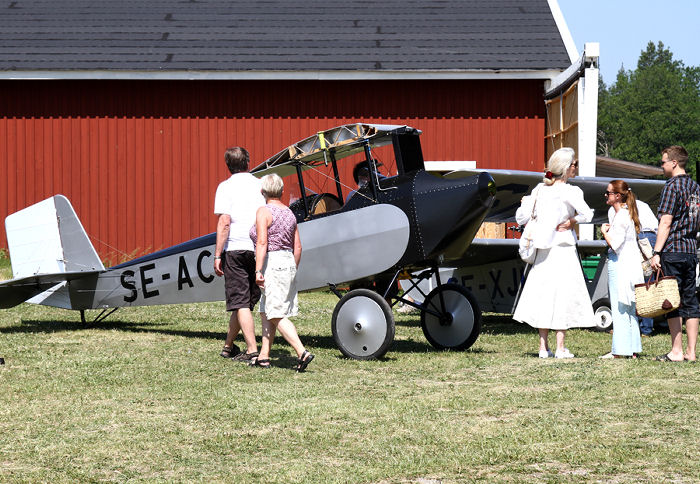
x=317 y=183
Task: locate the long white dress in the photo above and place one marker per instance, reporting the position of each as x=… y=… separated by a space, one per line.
x=624 y=271
x=555 y=295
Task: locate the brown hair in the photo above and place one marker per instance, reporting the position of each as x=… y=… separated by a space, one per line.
x=627 y=197
x=237 y=159
x=677 y=153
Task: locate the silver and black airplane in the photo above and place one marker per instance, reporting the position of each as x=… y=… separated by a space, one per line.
x=357 y=241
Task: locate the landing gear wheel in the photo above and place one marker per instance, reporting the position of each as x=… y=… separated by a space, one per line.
x=602 y=315
x=363 y=325
x=460 y=322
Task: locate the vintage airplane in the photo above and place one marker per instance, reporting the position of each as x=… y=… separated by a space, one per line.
x=410 y=222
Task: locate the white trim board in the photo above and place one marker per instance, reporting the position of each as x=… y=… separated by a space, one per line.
x=544 y=74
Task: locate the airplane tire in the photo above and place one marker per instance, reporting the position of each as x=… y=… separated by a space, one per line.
x=460 y=325
x=602 y=314
x=363 y=325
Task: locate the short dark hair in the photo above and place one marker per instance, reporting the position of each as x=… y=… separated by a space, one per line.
x=237 y=159
x=677 y=153
x=362 y=169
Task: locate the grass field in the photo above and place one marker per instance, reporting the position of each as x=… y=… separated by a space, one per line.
x=144 y=396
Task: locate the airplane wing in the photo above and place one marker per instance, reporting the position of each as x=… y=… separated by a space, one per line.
x=488 y=251
x=512 y=185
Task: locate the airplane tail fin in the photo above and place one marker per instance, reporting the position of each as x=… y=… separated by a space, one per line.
x=48 y=246
x=48 y=238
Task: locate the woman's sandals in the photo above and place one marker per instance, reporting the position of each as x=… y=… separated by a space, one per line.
x=301 y=365
x=304 y=361
x=262 y=363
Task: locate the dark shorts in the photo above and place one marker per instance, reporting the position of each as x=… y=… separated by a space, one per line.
x=239 y=279
x=682 y=266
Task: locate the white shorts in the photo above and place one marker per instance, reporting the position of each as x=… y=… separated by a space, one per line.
x=279 y=299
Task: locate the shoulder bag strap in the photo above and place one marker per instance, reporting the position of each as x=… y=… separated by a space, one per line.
x=535 y=192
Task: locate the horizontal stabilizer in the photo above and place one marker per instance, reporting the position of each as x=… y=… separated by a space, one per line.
x=17 y=291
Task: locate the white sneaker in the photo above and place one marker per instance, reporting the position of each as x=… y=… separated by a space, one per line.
x=607 y=356
x=564 y=354
x=546 y=354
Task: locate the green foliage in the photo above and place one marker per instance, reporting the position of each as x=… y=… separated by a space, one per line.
x=650 y=108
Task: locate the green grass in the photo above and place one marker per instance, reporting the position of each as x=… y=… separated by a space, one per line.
x=144 y=396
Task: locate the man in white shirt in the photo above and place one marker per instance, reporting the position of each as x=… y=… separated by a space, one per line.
x=237 y=200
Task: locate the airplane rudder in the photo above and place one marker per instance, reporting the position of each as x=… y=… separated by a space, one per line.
x=79 y=253
x=48 y=238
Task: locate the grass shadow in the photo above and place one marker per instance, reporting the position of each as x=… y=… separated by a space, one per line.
x=46 y=326
x=400 y=346
x=502 y=324
x=408 y=323
x=309 y=340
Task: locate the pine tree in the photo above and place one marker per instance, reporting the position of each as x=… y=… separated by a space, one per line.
x=649 y=108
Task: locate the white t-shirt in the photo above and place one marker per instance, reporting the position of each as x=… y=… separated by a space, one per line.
x=647 y=219
x=239 y=197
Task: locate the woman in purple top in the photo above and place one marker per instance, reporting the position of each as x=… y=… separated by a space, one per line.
x=277 y=253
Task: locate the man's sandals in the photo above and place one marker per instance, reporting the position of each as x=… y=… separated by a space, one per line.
x=245 y=357
x=304 y=361
x=230 y=351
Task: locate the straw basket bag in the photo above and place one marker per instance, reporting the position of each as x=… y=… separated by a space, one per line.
x=657 y=297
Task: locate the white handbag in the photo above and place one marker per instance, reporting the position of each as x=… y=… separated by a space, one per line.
x=526 y=246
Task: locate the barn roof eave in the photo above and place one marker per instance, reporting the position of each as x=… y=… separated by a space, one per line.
x=544 y=74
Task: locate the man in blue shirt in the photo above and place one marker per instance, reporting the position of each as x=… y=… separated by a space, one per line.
x=675 y=250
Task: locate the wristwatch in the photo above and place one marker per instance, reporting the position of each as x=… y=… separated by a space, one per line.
x=653 y=253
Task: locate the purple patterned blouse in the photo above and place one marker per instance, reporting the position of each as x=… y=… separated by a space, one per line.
x=280 y=233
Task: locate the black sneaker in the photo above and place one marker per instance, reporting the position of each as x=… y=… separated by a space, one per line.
x=230 y=352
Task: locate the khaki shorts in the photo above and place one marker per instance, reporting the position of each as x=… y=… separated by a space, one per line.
x=280 y=297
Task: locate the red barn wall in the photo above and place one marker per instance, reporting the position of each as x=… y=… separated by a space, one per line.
x=140 y=160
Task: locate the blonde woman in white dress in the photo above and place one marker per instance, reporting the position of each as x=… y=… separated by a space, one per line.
x=555 y=296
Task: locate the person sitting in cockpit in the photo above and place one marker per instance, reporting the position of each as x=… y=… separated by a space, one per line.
x=361 y=176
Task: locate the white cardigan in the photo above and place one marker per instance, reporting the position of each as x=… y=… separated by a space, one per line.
x=623 y=241
x=554 y=204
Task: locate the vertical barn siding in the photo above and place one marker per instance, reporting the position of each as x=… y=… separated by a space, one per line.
x=140 y=160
